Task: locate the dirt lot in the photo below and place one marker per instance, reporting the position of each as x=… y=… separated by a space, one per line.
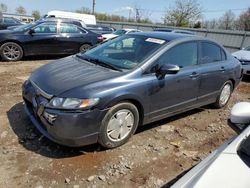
x=156 y=156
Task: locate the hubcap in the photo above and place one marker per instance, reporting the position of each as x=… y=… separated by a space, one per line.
x=11 y=52
x=225 y=94
x=120 y=125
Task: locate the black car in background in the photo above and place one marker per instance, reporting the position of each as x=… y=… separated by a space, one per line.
x=6 y=22
x=100 y=29
x=46 y=37
x=174 y=31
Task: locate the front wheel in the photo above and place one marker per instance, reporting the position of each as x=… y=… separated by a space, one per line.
x=11 y=51
x=118 y=125
x=225 y=95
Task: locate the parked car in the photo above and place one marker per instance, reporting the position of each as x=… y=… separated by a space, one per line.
x=102 y=95
x=244 y=57
x=229 y=165
x=175 y=31
x=119 y=32
x=46 y=37
x=6 y=22
x=100 y=29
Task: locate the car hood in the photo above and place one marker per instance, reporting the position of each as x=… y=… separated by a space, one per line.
x=69 y=73
x=242 y=55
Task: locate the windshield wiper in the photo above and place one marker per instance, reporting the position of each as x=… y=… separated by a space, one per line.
x=99 y=62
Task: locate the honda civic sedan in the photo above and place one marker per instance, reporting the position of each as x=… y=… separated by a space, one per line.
x=104 y=94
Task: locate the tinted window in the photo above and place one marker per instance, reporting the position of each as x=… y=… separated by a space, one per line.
x=211 y=53
x=46 y=28
x=10 y=21
x=69 y=28
x=182 y=55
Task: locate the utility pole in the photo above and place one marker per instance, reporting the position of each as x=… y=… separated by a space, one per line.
x=93 y=7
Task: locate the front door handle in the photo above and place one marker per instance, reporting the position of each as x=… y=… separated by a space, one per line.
x=222 y=69
x=194 y=75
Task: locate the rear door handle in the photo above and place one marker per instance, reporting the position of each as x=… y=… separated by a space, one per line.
x=194 y=75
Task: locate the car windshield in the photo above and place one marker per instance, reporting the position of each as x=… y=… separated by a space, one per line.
x=120 y=32
x=23 y=27
x=124 y=52
x=247 y=48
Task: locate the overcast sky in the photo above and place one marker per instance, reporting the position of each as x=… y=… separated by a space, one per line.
x=155 y=8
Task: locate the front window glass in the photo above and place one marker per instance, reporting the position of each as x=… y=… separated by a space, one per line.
x=182 y=55
x=125 y=52
x=244 y=151
x=46 y=28
x=120 y=32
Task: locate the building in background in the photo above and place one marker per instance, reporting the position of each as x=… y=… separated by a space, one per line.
x=23 y=18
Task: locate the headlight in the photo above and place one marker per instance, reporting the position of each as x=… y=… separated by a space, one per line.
x=72 y=103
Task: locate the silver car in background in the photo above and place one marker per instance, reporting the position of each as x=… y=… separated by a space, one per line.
x=229 y=165
x=244 y=57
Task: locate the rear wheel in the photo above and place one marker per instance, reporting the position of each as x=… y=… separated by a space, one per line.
x=225 y=95
x=11 y=51
x=118 y=125
x=84 y=47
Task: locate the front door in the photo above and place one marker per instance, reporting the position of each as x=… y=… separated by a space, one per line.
x=43 y=41
x=176 y=92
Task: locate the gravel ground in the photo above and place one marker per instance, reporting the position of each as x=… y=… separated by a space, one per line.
x=157 y=155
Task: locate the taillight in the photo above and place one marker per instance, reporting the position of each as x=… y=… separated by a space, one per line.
x=100 y=39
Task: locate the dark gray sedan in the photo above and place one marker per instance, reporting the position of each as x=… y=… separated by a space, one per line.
x=104 y=94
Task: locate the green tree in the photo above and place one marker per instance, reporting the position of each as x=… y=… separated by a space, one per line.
x=36 y=14
x=21 y=10
x=3 y=8
x=83 y=10
x=183 y=14
x=243 y=23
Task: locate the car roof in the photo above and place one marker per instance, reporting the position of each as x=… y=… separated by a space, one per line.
x=168 y=36
x=60 y=19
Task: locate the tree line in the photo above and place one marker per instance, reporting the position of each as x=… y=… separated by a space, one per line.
x=183 y=13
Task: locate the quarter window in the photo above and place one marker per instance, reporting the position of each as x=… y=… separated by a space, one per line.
x=211 y=53
x=183 y=55
x=46 y=28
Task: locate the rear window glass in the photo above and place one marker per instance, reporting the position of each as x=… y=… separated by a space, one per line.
x=211 y=53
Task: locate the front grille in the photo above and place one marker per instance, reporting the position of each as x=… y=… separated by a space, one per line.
x=245 y=62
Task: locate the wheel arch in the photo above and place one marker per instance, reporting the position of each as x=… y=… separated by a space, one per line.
x=15 y=41
x=131 y=99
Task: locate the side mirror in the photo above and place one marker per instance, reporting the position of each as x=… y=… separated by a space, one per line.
x=31 y=31
x=167 y=69
x=240 y=116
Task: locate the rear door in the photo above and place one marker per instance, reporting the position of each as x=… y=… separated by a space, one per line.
x=213 y=70
x=44 y=39
x=71 y=37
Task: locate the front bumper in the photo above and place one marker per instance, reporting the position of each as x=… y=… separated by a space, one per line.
x=246 y=69
x=69 y=128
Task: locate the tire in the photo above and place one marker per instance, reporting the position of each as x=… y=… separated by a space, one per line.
x=84 y=47
x=11 y=51
x=224 y=95
x=114 y=130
